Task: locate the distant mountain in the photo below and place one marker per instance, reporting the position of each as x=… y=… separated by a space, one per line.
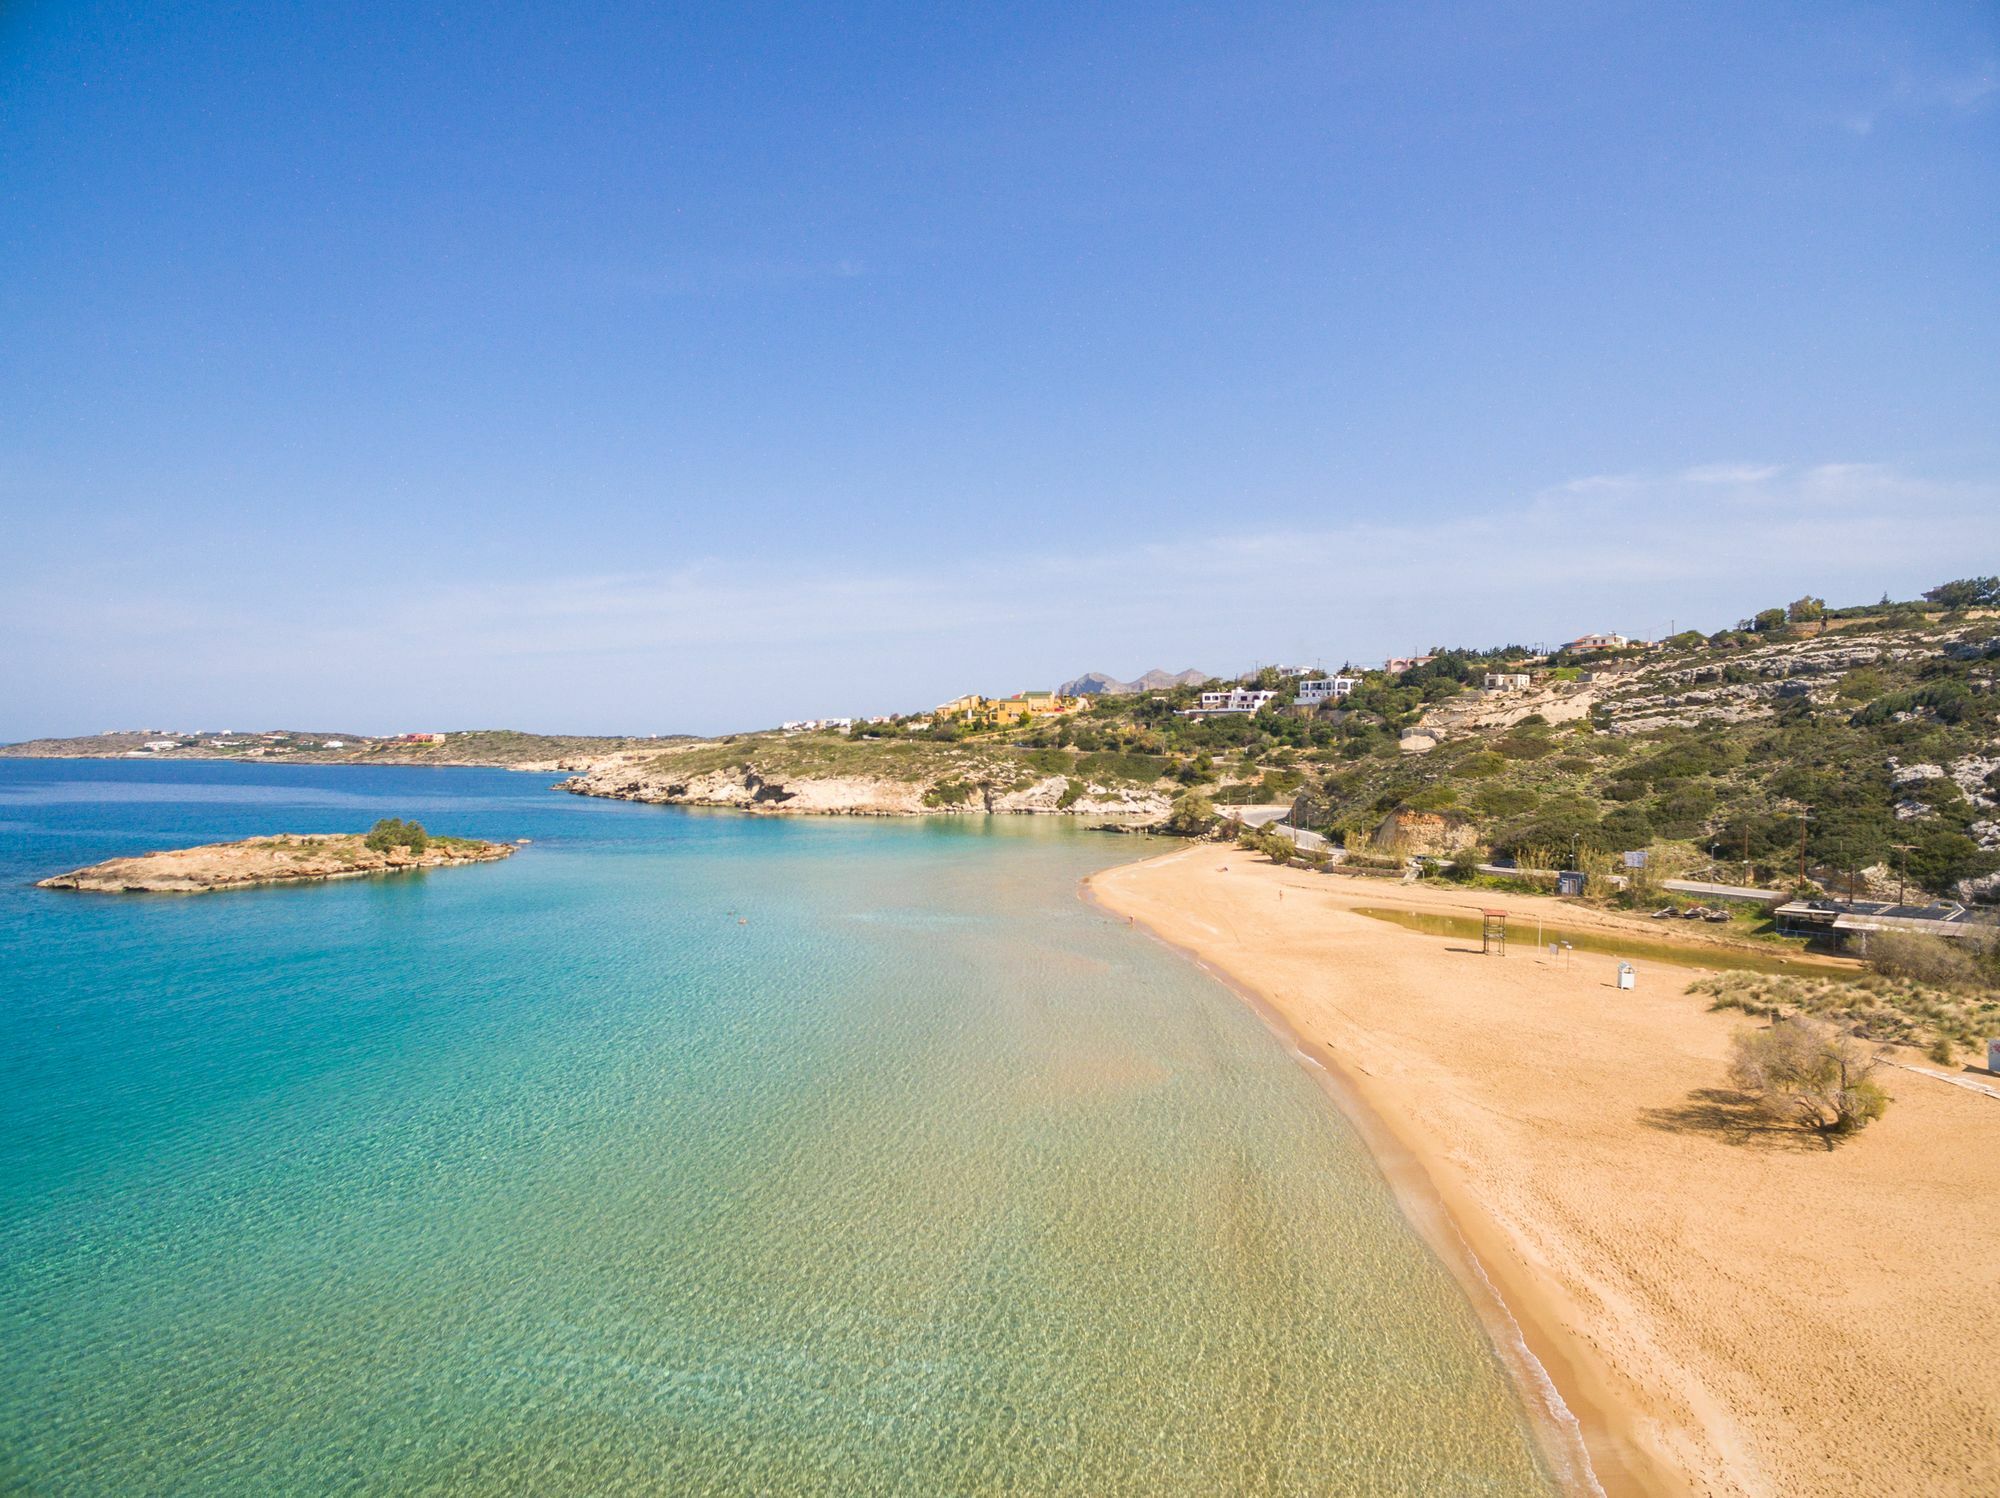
x=1097 y=684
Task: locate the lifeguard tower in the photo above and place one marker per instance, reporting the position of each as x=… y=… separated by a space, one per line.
x=1493 y=933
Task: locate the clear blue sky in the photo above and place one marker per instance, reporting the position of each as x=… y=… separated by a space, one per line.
x=684 y=368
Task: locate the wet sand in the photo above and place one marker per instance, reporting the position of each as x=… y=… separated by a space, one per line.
x=1726 y=1307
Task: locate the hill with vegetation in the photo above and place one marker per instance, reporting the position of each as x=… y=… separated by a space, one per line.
x=1853 y=747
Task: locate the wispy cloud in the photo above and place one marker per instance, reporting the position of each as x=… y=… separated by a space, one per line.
x=1731 y=473
x=1960 y=94
x=720 y=642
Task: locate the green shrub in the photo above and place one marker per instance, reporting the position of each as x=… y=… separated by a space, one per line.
x=394 y=832
x=1192 y=815
x=1505 y=800
x=949 y=793
x=1922 y=959
x=1432 y=798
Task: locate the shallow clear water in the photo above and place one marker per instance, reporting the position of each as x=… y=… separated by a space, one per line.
x=679 y=1153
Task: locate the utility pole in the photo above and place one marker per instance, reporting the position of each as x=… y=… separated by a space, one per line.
x=1902 y=868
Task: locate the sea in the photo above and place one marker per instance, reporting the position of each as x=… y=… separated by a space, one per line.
x=683 y=1152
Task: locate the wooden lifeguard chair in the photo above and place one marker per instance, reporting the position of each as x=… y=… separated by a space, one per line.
x=1493 y=933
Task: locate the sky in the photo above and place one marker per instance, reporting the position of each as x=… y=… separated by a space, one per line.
x=648 y=368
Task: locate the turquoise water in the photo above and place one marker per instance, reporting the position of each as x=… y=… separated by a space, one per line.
x=680 y=1153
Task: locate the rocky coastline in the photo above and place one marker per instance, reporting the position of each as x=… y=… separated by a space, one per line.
x=745 y=788
x=287 y=858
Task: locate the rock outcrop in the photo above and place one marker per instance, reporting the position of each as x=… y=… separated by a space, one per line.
x=746 y=788
x=288 y=858
x=1432 y=833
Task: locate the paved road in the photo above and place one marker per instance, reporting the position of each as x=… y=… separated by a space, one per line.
x=1720 y=891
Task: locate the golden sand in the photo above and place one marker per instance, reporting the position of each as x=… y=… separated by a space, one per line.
x=1728 y=1307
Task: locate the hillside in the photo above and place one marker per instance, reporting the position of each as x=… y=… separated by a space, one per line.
x=1878 y=742
x=1702 y=751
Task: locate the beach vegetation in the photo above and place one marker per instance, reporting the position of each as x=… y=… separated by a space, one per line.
x=1806 y=1072
x=1268 y=841
x=1890 y=1010
x=1192 y=815
x=1931 y=959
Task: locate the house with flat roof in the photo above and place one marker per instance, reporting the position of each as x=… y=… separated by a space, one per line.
x=1849 y=923
x=1507 y=681
x=1584 y=644
x=1238 y=701
x=1326 y=689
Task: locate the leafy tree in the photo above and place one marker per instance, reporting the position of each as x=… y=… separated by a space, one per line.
x=394 y=832
x=1806 y=610
x=1768 y=619
x=1809 y=1074
x=1966 y=593
x=1191 y=815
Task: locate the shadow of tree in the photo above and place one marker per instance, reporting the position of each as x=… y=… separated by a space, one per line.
x=1732 y=1117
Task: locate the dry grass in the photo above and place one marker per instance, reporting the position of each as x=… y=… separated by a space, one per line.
x=1901 y=1011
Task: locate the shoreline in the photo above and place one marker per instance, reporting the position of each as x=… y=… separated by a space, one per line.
x=1649 y=1286
x=1571 y=1421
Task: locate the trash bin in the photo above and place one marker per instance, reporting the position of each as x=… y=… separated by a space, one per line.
x=1627 y=978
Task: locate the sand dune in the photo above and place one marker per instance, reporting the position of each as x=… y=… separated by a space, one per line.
x=1729 y=1308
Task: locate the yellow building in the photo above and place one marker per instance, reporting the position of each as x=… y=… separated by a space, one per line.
x=1019 y=708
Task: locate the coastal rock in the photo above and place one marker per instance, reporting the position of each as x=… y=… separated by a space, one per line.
x=746 y=788
x=287 y=858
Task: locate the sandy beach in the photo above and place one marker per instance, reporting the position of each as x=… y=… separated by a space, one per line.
x=1726 y=1307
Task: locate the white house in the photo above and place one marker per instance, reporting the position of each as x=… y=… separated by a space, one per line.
x=1597 y=642
x=1238 y=701
x=1506 y=681
x=1326 y=689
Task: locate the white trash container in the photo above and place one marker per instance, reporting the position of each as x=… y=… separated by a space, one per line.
x=1627 y=978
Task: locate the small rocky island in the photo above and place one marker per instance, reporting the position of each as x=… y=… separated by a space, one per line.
x=390 y=847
